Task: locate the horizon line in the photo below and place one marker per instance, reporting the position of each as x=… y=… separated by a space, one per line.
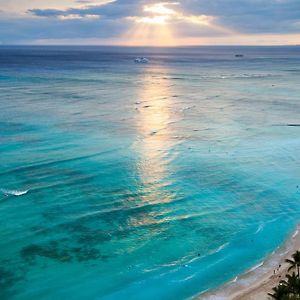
x=146 y=46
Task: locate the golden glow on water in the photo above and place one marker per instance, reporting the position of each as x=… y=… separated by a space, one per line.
x=155 y=146
x=156 y=140
x=154 y=115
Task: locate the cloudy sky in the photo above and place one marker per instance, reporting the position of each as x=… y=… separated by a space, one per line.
x=147 y=22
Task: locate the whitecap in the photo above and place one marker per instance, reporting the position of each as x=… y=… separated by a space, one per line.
x=260 y=228
x=220 y=248
x=14 y=192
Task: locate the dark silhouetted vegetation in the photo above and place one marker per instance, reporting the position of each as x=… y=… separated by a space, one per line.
x=289 y=289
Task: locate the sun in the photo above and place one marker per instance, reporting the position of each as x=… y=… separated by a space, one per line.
x=154 y=27
x=155 y=20
x=158 y=14
x=160 y=8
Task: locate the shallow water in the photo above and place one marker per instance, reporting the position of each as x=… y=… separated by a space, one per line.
x=127 y=181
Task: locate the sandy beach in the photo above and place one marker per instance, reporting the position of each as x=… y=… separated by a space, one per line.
x=258 y=281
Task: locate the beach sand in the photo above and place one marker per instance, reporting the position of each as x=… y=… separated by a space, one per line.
x=259 y=281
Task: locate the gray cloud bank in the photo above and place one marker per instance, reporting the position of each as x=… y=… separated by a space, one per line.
x=109 y=20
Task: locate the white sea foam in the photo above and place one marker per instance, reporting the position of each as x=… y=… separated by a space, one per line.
x=296 y=233
x=255 y=274
x=255 y=267
x=260 y=228
x=220 y=248
x=14 y=192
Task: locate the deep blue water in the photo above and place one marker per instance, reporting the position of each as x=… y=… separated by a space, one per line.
x=153 y=181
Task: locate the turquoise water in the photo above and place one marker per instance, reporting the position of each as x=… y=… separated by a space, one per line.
x=129 y=181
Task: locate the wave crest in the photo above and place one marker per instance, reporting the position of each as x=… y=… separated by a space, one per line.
x=14 y=192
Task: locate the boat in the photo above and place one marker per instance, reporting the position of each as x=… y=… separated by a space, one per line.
x=141 y=60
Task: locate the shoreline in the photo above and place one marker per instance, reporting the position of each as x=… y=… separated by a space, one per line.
x=256 y=283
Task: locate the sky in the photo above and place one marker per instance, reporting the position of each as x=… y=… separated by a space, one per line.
x=151 y=23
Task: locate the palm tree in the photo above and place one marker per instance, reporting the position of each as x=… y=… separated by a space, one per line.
x=294 y=262
x=291 y=297
x=292 y=283
x=280 y=292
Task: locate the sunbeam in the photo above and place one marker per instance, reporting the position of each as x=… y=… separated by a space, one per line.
x=157 y=26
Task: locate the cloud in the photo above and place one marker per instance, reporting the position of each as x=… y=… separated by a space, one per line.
x=251 y=16
x=111 y=9
x=109 y=19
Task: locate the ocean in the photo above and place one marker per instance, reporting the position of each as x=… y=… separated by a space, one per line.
x=161 y=180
